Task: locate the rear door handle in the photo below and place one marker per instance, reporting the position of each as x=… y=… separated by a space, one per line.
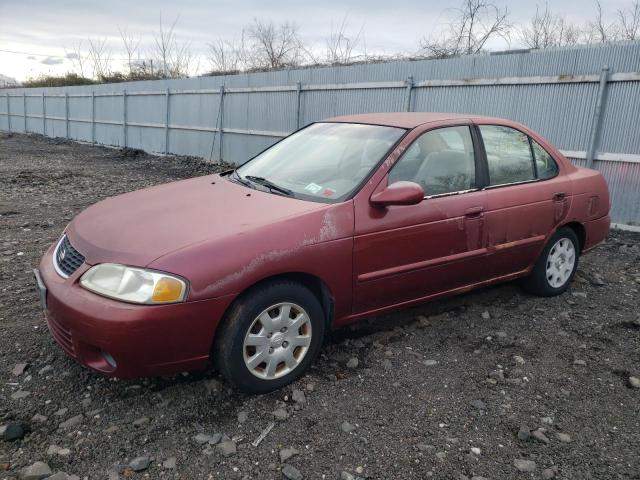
x=474 y=212
x=557 y=197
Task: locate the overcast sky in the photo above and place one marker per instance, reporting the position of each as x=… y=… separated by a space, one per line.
x=44 y=31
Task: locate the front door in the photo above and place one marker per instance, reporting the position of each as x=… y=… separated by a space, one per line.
x=405 y=253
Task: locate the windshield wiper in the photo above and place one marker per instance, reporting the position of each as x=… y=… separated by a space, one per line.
x=269 y=184
x=236 y=176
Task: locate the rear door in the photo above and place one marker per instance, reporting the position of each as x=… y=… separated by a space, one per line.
x=404 y=253
x=527 y=198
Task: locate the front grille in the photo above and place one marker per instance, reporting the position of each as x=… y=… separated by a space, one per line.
x=61 y=335
x=67 y=258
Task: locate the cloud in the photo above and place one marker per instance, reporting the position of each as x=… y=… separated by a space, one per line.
x=31 y=57
x=51 y=61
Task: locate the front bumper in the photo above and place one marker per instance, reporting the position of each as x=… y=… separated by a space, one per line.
x=126 y=340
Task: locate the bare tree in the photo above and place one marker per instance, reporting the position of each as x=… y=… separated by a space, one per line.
x=340 y=47
x=131 y=44
x=569 y=33
x=629 y=22
x=542 y=30
x=78 y=57
x=100 y=57
x=228 y=56
x=173 y=59
x=598 y=30
x=547 y=29
x=474 y=23
x=274 y=46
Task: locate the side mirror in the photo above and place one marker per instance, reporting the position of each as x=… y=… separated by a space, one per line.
x=398 y=193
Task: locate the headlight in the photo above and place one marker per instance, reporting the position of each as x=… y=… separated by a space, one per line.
x=134 y=285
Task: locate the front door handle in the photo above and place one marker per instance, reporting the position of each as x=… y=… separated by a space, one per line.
x=474 y=212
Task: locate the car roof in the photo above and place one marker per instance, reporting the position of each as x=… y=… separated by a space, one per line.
x=407 y=119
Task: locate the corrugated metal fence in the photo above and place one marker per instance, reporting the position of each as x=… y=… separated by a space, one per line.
x=590 y=112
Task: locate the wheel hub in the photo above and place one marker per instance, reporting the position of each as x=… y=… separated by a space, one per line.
x=277 y=339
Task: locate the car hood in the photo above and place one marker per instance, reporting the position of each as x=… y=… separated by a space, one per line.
x=139 y=227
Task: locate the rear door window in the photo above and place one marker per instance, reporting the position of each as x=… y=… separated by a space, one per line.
x=509 y=155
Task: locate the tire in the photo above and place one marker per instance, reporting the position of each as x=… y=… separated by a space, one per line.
x=259 y=347
x=556 y=266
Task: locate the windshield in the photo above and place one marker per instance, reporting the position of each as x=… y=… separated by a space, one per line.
x=323 y=162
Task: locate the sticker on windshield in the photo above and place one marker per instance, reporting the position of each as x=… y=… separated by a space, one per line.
x=328 y=192
x=313 y=188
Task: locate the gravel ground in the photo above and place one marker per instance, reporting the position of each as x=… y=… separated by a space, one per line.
x=495 y=384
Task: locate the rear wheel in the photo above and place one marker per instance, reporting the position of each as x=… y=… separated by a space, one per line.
x=269 y=337
x=556 y=266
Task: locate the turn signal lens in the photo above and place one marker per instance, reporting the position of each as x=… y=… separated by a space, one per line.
x=168 y=289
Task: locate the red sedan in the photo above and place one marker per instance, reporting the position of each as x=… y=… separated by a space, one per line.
x=347 y=218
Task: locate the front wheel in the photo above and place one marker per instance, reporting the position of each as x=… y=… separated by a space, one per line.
x=269 y=337
x=556 y=265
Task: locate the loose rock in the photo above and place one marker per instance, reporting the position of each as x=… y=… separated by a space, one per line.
x=227 y=448
x=72 y=422
x=15 y=431
x=169 y=463
x=19 y=369
x=563 y=437
x=291 y=473
x=353 y=362
x=141 y=422
x=524 y=433
x=36 y=471
x=634 y=382
x=346 y=427
x=298 y=397
x=140 y=463
x=539 y=436
x=524 y=465
x=280 y=414
x=20 y=394
x=287 y=453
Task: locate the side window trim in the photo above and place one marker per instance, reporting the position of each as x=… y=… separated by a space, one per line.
x=478 y=166
x=533 y=158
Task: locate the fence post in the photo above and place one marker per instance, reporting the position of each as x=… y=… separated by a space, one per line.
x=93 y=117
x=221 y=115
x=124 y=117
x=66 y=113
x=8 y=113
x=409 y=89
x=596 y=126
x=44 y=115
x=24 y=110
x=299 y=95
x=166 y=121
